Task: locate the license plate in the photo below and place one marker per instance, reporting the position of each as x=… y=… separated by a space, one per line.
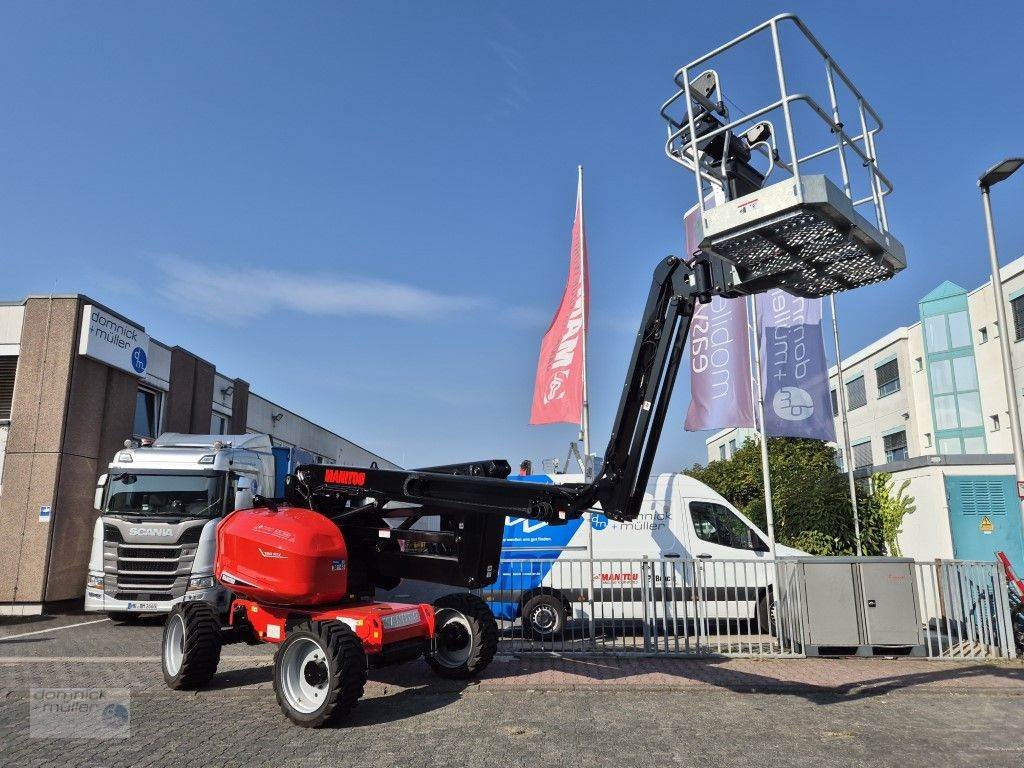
x=141 y=606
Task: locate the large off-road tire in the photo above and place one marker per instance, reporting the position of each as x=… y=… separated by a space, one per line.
x=544 y=617
x=319 y=673
x=191 y=646
x=467 y=636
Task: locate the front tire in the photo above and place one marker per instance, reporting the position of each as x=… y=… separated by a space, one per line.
x=319 y=673
x=466 y=636
x=191 y=646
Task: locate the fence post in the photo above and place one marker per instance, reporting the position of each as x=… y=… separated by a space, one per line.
x=645 y=597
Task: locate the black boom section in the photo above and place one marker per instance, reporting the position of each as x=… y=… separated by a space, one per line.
x=437 y=491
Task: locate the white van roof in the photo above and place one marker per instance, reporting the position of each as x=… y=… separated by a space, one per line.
x=689 y=487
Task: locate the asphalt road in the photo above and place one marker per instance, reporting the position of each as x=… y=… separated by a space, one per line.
x=410 y=719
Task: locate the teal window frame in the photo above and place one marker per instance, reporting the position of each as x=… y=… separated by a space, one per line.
x=948 y=300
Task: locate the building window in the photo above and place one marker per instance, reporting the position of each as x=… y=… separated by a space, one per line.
x=147 y=413
x=8 y=367
x=218 y=424
x=918 y=364
x=950 y=445
x=982 y=335
x=974 y=445
x=888 y=376
x=959 y=330
x=927 y=439
x=856 y=394
x=895 y=445
x=721 y=452
x=862 y=455
x=835 y=402
x=995 y=422
x=732 y=447
x=1017 y=305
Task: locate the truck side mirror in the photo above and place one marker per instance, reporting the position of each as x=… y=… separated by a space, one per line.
x=245 y=489
x=97 y=499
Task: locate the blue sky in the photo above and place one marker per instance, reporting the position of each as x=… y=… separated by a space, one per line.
x=364 y=209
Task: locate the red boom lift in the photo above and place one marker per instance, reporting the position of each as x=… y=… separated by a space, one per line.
x=304 y=568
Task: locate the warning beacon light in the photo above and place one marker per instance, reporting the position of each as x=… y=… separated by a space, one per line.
x=811 y=222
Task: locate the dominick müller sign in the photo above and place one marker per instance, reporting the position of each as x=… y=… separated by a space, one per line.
x=111 y=340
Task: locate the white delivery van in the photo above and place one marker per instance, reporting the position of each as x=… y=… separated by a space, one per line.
x=689 y=553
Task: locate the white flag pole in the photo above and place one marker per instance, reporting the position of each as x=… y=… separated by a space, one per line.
x=765 y=474
x=588 y=466
x=841 y=402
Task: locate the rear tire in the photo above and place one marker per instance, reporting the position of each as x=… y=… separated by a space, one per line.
x=191 y=646
x=544 y=617
x=319 y=673
x=466 y=636
x=767 y=618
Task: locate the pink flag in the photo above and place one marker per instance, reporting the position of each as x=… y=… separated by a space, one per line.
x=558 y=390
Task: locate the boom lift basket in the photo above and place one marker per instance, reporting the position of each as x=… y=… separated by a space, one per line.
x=802 y=233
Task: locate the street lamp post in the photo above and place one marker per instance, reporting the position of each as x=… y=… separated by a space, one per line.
x=997 y=173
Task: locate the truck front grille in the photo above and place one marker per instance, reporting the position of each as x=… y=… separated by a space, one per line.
x=149 y=571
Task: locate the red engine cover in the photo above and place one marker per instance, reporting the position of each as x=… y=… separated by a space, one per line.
x=293 y=556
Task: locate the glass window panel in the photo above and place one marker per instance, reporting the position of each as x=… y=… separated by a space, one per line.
x=862 y=455
x=965 y=374
x=970 y=410
x=942 y=377
x=145 y=414
x=949 y=445
x=959 y=330
x=974 y=445
x=935 y=333
x=945 y=412
x=856 y=394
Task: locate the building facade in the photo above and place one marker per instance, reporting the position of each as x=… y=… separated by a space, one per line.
x=928 y=399
x=76 y=380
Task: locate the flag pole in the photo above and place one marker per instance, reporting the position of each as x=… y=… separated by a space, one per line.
x=588 y=468
x=769 y=512
x=841 y=402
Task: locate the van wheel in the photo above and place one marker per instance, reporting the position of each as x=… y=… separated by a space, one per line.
x=544 y=617
x=466 y=636
x=767 y=621
x=191 y=646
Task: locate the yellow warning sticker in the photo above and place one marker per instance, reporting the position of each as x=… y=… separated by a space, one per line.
x=986 y=524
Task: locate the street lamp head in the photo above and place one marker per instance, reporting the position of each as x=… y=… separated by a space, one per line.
x=1000 y=171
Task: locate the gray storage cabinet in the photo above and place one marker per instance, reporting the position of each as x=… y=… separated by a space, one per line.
x=857 y=605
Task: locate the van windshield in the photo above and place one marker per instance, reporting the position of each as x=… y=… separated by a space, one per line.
x=718 y=525
x=177 y=495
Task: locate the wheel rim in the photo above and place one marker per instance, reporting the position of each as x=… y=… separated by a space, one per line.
x=454 y=639
x=174 y=644
x=544 y=619
x=304 y=675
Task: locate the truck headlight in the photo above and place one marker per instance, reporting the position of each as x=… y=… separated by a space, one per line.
x=94 y=581
x=200 y=582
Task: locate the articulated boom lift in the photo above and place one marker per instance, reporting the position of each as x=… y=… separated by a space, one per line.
x=305 y=568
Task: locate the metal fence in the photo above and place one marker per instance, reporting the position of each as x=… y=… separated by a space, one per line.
x=964 y=610
x=719 y=607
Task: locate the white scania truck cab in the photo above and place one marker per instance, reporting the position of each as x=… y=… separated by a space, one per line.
x=153 y=545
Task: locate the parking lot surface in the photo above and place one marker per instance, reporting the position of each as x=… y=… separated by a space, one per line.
x=524 y=712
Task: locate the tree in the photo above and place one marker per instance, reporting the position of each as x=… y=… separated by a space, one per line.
x=892 y=505
x=810 y=495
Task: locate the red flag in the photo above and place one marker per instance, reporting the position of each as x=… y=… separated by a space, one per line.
x=558 y=390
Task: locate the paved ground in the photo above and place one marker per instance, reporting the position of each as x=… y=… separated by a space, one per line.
x=525 y=712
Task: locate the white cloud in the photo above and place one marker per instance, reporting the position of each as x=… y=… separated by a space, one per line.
x=239 y=295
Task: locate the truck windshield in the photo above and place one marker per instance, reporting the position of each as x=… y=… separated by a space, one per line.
x=181 y=495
